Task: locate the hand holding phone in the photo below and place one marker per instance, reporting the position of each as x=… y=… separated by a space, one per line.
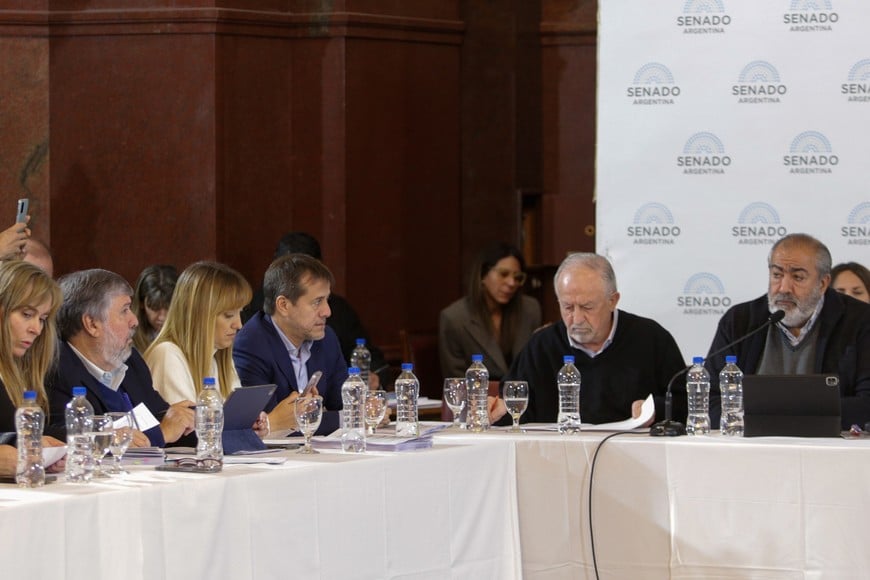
x=311 y=387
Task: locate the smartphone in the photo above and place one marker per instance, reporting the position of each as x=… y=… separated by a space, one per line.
x=312 y=382
x=23 y=208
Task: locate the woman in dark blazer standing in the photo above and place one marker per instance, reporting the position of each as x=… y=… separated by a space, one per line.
x=494 y=318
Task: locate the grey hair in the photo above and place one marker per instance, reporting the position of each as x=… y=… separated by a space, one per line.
x=823 y=255
x=87 y=292
x=589 y=260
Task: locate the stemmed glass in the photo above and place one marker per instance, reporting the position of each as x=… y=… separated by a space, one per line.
x=376 y=409
x=102 y=438
x=455 y=397
x=309 y=411
x=516 y=399
x=124 y=423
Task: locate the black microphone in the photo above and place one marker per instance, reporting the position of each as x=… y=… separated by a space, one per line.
x=671 y=428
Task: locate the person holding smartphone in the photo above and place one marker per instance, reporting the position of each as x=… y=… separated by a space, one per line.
x=13 y=240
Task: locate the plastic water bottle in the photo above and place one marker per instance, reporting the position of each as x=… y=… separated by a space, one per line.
x=209 y=427
x=407 y=392
x=477 y=388
x=361 y=358
x=568 y=383
x=29 y=421
x=353 y=423
x=731 y=388
x=698 y=395
x=79 y=415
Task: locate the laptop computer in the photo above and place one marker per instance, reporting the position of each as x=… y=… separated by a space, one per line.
x=791 y=405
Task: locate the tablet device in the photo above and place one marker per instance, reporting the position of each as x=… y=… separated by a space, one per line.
x=243 y=406
x=791 y=405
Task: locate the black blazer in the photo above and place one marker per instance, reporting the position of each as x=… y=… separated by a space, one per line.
x=71 y=372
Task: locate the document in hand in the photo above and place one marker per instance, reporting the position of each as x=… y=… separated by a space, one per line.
x=647 y=412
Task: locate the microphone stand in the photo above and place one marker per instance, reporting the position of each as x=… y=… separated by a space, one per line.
x=670 y=428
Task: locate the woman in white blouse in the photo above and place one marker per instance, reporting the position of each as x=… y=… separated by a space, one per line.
x=196 y=340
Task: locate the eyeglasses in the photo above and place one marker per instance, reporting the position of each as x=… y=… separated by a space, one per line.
x=519 y=277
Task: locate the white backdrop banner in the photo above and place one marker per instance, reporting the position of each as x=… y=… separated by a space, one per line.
x=722 y=126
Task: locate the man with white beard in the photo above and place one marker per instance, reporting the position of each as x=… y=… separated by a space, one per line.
x=823 y=331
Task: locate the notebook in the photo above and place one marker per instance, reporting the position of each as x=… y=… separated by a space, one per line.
x=791 y=405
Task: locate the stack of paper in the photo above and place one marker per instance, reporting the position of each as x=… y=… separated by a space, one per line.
x=143 y=456
x=378 y=442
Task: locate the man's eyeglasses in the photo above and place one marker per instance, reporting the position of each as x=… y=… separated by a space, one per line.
x=519 y=277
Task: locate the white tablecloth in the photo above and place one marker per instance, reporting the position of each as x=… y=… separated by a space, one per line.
x=702 y=507
x=448 y=512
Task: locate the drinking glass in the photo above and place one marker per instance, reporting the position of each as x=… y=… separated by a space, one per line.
x=102 y=438
x=376 y=409
x=455 y=397
x=309 y=411
x=124 y=423
x=516 y=399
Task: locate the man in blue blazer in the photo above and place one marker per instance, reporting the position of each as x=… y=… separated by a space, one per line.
x=289 y=341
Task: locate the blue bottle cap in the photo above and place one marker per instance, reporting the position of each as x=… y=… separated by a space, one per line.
x=698 y=360
x=79 y=391
x=731 y=359
x=568 y=358
x=360 y=342
x=477 y=358
x=29 y=395
x=208 y=381
x=408 y=366
x=353 y=370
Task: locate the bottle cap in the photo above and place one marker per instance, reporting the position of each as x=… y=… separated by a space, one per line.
x=698 y=360
x=29 y=395
x=79 y=391
x=360 y=342
x=568 y=359
x=731 y=359
x=408 y=367
x=208 y=381
x=353 y=370
x=477 y=358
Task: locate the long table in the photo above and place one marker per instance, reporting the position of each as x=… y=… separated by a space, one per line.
x=448 y=512
x=493 y=505
x=690 y=507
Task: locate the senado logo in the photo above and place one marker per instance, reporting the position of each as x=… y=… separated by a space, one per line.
x=758 y=82
x=653 y=225
x=653 y=84
x=703 y=154
x=857 y=89
x=810 y=16
x=704 y=293
x=810 y=153
x=703 y=17
x=857 y=230
x=758 y=224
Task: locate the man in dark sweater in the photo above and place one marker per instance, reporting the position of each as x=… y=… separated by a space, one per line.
x=622 y=357
x=823 y=331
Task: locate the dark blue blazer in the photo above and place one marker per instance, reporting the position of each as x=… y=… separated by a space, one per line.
x=261 y=359
x=71 y=372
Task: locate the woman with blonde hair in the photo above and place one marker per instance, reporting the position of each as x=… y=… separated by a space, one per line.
x=196 y=340
x=29 y=299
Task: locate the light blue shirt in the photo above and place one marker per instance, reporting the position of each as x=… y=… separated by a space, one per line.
x=298 y=356
x=607 y=342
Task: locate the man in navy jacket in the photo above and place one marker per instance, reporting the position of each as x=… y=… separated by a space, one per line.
x=96 y=326
x=289 y=341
